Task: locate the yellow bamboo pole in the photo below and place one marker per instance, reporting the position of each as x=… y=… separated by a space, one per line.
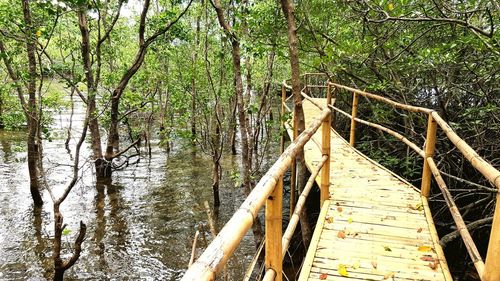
x=325 y=149
x=269 y=276
x=430 y=144
x=352 y=136
x=492 y=265
x=457 y=217
x=274 y=206
x=282 y=123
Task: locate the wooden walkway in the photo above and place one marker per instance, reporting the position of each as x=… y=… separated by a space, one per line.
x=375 y=226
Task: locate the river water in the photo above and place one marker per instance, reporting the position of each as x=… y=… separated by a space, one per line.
x=139 y=227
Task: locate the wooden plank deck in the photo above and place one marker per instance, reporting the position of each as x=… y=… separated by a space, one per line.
x=375 y=226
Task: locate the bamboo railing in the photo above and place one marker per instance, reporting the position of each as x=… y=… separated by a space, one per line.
x=489 y=270
x=268 y=192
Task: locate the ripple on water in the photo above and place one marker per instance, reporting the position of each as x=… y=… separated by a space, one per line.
x=139 y=227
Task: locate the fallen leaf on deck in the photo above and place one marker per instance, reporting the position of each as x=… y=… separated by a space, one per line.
x=433 y=265
x=341 y=234
x=387 y=249
x=427 y=258
x=418 y=207
x=419 y=230
x=424 y=248
x=342 y=270
x=356 y=265
x=374 y=264
x=329 y=219
x=349 y=220
x=339 y=209
x=389 y=275
x=323 y=276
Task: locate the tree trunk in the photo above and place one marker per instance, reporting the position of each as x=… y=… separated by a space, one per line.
x=238 y=84
x=32 y=110
x=287 y=8
x=101 y=167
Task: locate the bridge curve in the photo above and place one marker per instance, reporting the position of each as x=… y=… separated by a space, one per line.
x=374 y=226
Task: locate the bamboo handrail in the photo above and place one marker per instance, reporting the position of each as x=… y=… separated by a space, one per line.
x=215 y=256
x=385 y=129
x=385 y=100
x=294 y=219
x=488 y=171
x=457 y=217
x=317 y=104
x=248 y=272
x=489 y=271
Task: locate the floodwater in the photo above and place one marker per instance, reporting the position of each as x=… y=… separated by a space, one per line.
x=139 y=227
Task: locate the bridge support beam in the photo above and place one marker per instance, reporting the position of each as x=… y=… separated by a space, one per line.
x=430 y=145
x=326 y=130
x=274 y=231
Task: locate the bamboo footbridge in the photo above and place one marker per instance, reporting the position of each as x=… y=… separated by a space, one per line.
x=373 y=225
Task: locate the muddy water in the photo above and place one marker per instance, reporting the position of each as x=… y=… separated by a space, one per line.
x=139 y=227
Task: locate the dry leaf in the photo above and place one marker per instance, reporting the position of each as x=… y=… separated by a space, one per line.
x=424 y=248
x=339 y=209
x=427 y=258
x=323 y=276
x=341 y=234
x=349 y=220
x=329 y=219
x=342 y=270
x=374 y=264
x=389 y=275
x=419 y=230
x=433 y=265
x=387 y=249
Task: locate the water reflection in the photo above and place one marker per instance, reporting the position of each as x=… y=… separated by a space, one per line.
x=139 y=226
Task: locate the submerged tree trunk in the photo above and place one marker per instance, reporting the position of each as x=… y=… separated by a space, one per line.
x=33 y=118
x=101 y=167
x=299 y=122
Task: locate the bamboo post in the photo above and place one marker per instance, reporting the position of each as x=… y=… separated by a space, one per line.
x=282 y=123
x=492 y=266
x=325 y=149
x=430 y=144
x=274 y=205
x=352 y=136
x=293 y=176
x=334 y=113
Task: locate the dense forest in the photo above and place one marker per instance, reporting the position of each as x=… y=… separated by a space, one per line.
x=126 y=116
